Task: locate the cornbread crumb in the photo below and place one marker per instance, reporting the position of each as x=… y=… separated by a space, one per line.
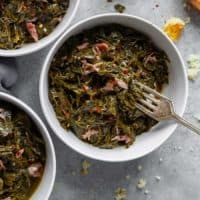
x=139 y=168
x=85 y=168
x=158 y=178
x=73 y=173
x=179 y=148
x=193 y=66
x=128 y=177
x=173 y=28
x=187 y=20
x=120 y=194
x=141 y=184
x=146 y=192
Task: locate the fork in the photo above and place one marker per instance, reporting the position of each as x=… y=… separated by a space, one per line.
x=160 y=107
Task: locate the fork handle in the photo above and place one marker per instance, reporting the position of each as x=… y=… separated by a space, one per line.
x=185 y=123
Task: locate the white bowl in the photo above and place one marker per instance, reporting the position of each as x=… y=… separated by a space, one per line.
x=46 y=185
x=177 y=91
x=33 y=47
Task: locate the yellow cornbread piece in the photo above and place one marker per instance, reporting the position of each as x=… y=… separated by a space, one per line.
x=174 y=27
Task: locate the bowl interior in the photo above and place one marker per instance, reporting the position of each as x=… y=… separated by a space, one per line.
x=176 y=91
x=32 y=47
x=47 y=182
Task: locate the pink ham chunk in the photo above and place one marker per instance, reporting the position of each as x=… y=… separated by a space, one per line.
x=116 y=82
x=150 y=59
x=121 y=84
x=122 y=138
x=102 y=46
x=89 y=68
x=109 y=86
x=88 y=134
x=3 y=114
x=83 y=46
x=32 y=30
x=19 y=153
x=2 y=167
x=35 y=170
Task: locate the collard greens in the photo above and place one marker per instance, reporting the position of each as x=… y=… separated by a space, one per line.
x=22 y=154
x=91 y=84
x=26 y=21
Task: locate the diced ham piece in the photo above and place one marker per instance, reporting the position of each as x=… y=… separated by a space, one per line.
x=102 y=46
x=125 y=71
x=35 y=170
x=88 y=134
x=83 y=46
x=7 y=198
x=89 y=68
x=121 y=84
x=3 y=114
x=2 y=167
x=116 y=82
x=96 y=110
x=32 y=30
x=85 y=88
x=150 y=58
x=122 y=138
x=109 y=86
x=19 y=153
x=67 y=114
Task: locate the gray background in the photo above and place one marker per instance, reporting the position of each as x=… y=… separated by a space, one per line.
x=179 y=171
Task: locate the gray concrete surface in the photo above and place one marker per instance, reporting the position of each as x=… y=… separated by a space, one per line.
x=179 y=171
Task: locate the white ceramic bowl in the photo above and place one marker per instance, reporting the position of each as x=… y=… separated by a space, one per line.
x=33 y=47
x=177 y=91
x=45 y=187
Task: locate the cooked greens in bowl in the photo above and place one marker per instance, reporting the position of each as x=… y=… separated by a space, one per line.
x=27 y=21
x=22 y=154
x=91 y=84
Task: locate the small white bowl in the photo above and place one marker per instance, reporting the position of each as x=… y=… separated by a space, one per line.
x=46 y=185
x=33 y=47
x=177 y=91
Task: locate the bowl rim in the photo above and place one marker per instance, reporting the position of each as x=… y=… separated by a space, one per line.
x=61 y=40
x=41 y=44
x=22 y=106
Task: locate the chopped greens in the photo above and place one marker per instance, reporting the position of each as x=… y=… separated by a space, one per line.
x=22 y=154
x=26 y=21
x=120 y=8
x=91 y=84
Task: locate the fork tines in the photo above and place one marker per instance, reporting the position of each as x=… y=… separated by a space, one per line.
x=151 y=98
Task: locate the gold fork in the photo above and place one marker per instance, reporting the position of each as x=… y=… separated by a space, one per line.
x=160 y=107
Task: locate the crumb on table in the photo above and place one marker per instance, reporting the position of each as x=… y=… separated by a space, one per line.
x=85 y=168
